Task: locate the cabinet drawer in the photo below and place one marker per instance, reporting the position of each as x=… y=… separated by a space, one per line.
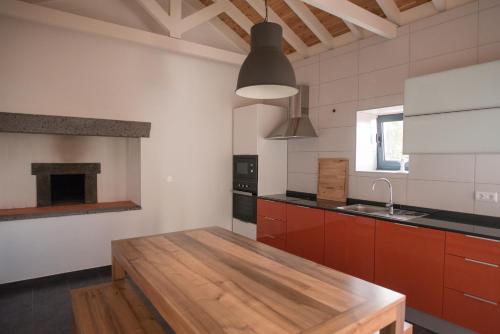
x=487 y=250
x=270 y=227
x=470 y=276
x=470 y=312
x=271 y=209
x=272 y=241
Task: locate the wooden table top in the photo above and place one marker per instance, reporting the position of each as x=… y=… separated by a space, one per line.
x=214 y=281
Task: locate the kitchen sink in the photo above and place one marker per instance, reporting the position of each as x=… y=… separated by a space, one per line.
x=382 y=212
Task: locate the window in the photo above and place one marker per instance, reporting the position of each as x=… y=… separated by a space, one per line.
x=390 y=142
x=379 y=140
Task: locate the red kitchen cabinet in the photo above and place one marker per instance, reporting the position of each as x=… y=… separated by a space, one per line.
x=305 y=232
x=271 y=232
x=271 y=209
x=472 y=282
x=350 y=244
x=410 y=260
x=471 y=312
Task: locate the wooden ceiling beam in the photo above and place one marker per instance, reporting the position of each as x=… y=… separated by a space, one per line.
x=359 y=16
x=311 y=21
x=153 y=8
x=288 y=34
x=390 y=10
x=200 y=17
x=223 y=28
x=240 y=18
x=56 y=18
x=356 y=31
x=440 y=5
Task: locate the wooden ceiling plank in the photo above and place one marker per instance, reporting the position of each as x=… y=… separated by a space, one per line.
x=154 y=9
x=200 y=17
x=288 y=34
x=390 y=10
x=356 y=31
x=348 y=11
x=440 y=5
x=311 y=21
x=56 y=18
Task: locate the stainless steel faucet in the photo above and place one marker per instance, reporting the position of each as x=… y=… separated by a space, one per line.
x=389 y=205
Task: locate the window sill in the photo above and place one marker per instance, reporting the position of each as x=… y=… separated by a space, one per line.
x=388 y=172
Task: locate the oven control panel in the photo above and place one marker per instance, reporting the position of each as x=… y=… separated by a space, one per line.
x=245 y=186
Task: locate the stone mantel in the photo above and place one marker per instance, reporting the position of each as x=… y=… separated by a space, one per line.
x=76 y=126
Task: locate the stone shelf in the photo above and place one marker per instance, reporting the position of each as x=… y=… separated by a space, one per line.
x=66 y=210
x=74 y=126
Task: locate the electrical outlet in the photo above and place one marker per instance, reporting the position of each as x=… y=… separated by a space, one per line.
x=484 y=196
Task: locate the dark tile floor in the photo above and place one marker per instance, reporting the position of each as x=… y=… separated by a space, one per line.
x=43 y=306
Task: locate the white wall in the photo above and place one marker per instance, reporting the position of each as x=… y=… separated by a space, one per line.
x=370 y=74
x=189 y=102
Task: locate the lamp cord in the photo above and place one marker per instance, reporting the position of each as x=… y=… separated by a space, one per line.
x=265 y=3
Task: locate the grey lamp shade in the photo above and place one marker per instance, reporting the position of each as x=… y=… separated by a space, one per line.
x=266 y=73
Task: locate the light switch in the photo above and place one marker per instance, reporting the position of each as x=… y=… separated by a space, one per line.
x=484 y=196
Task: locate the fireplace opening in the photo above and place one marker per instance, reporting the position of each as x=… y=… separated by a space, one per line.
x=65 y=183
x=67 y=188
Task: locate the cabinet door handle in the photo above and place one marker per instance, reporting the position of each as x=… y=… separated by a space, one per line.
x=481 y=238
x=269 y=236
x=482 y=262
x=480 y=299
x=412 y=226
x=302 y=206
x=269 y=218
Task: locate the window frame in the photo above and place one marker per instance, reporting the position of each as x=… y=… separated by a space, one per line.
x=383 y=164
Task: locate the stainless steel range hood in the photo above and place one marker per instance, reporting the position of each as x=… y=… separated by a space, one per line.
x=298 y=124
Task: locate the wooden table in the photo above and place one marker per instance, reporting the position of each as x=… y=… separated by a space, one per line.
x=214 y=281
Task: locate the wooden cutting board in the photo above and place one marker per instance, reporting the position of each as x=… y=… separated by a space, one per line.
x=332 y=179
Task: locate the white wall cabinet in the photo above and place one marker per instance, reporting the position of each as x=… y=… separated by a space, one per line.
x=456 y=111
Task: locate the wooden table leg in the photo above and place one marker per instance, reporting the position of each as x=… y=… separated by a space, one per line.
x=397 y=327
x=117 y=272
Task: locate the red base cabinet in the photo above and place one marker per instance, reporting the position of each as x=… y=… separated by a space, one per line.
x=305 y=232
x=350 y=244
x=472 y=282
x=410 y=260
x=271 y=223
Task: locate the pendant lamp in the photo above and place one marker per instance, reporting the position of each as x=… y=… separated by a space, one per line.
x=266 y=73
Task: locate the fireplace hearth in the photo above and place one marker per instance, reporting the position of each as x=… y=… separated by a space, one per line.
x=65 y=183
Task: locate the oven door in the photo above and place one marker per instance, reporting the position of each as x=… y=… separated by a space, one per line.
x=245 y=206
x=245 y=168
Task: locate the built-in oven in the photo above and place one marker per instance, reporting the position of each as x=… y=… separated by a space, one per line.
x=245 y=168
x=245 y=174
x=245 y=201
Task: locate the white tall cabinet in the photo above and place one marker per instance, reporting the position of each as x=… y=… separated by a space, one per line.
x=251 y=124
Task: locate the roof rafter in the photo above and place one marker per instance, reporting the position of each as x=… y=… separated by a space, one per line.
x=439 y=4
x=311 y=21
x=200 y=17
x=223 y=28
x=361 y=17
x=390 y=10
x=356 y=31
x=60 y=19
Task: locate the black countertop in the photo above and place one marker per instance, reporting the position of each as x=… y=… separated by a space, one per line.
x=478 y=225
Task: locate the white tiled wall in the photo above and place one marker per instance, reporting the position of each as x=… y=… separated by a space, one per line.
x=370 y=74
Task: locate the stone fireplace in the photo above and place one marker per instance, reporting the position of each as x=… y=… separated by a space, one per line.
x=65 y=183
